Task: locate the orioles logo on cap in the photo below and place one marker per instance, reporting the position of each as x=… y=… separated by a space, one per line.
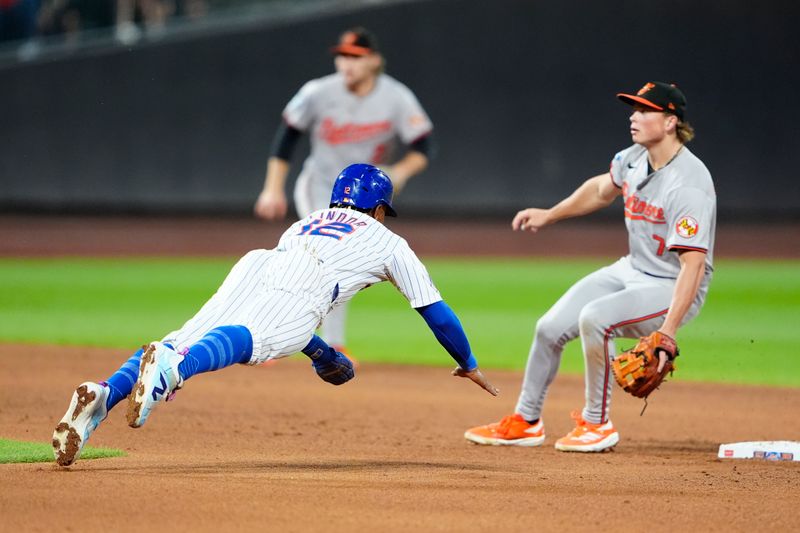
x=349 y=37
x=647 y=87
x=687 y=227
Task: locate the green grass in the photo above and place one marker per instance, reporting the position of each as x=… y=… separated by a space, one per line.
x=102 y=302
x=14 y=451
x=741 y=336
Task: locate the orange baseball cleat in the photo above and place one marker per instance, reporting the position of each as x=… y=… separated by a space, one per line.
x=512 y=430
x=588 y=437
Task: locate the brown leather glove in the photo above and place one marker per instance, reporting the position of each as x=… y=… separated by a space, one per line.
x=636 y=370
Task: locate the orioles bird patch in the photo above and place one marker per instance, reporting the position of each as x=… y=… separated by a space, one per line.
x=687 y=227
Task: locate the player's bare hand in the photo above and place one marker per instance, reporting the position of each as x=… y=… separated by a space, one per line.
x=531 y=219
x=478 y=377
x=271 y=205
x=662 y=359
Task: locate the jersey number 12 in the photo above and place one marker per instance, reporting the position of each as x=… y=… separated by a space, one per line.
x=334 y=230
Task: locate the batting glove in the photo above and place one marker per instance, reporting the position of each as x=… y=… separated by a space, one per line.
x=336 y=371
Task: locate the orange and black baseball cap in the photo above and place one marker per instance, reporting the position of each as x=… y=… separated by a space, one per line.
x=660 y=96
x=356 y=42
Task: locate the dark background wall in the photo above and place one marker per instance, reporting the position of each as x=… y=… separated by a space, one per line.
x=521 y=94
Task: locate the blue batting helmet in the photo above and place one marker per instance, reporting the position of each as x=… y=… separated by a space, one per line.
x=363 y=186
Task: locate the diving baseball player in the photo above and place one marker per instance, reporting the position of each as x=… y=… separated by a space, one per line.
x=358 y=114
x=270 y=304
x=670 y=215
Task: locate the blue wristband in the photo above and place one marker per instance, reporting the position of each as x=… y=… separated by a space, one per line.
x=319 y=351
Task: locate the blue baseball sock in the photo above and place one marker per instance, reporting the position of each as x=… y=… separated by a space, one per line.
x=120 y=384
x=220 y=347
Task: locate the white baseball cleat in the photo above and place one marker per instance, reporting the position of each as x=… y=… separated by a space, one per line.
x=86 y=410
x=158 y=379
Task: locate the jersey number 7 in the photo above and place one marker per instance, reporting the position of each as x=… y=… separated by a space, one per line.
x=661 y=244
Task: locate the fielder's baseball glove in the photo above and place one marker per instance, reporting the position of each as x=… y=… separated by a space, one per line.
x=636 y=370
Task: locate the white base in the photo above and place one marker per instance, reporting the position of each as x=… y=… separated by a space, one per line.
x=770 y=450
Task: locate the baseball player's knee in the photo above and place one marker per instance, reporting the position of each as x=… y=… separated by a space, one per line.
x=591 y=320
x=550 y=331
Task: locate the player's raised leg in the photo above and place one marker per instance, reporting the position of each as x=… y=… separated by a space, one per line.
x=163 y=370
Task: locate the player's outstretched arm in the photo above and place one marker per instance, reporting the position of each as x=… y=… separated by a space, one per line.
x=594 y=194
x=448 y=331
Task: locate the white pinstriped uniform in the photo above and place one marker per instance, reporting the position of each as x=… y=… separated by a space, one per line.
x=671 y=209
x=343 y=129
x=322 y=261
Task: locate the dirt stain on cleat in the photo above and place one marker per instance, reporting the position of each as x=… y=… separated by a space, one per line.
x=71 y=444
x=134 y=406
x=84 y=398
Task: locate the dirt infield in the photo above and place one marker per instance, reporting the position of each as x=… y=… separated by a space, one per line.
x=275 y=449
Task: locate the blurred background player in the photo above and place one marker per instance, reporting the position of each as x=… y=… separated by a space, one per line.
x=270 y=304
x=670 y=213
x=358 y=114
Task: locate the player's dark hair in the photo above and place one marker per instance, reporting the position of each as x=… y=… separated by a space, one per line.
x=685 y=131
x=354 y=208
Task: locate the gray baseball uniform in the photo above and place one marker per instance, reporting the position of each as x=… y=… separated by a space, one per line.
x=345 y=128
x=666 y=211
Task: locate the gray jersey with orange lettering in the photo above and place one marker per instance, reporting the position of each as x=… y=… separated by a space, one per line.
x=666 y=211
x=671 y=209
x=345 y=128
